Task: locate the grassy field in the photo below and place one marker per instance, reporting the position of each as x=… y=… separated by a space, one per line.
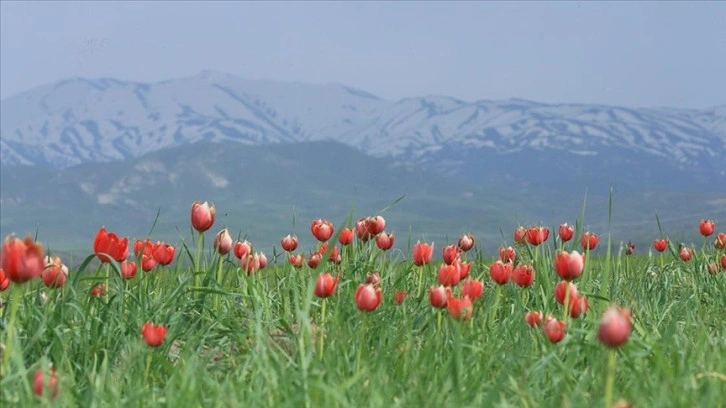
x=265 y=339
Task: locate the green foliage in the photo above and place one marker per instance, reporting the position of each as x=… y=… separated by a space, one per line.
x=254 y=340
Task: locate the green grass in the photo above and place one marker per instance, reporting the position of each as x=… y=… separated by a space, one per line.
x=255 y=341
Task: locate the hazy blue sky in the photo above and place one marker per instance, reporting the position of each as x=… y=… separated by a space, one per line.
x=635 y=54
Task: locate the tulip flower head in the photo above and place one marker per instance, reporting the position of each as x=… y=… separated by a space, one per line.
x=466 y=242
x=43 y=383
x=223 y=242
x=706 y=227
x=660 y=245
x=4 y=280
x=128 y=269
x=321 y=229
x=399 y=296
x=523 y=275
x=533 y=318
x=203 y=215
x=615 y=327
x=422 y=253
x=54 y=274
x=460 y=309
x=438 y=296
x=537 y=234
x=507 y=254
x=554 y=330
x=384 y=241
x=289 y=243
x=109 y=246
x=472 y=288
x=569 y=265
x=500 y=272
x=367 y=297
x=325 y=285
x=565 y=232
x=153 y=334
x=589 y=240
x=22 y=260
x=346 y=236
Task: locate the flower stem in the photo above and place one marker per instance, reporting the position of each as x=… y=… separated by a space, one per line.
x=361 y=342
x=610 y=380
x=322 y=328
x=197 y=256
x=15 y=290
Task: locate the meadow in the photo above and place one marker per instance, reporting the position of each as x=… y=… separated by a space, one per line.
x=363 y=319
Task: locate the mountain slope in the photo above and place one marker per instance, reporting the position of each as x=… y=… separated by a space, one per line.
x=83 y=121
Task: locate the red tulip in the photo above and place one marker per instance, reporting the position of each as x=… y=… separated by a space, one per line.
x=297 y=261
x=472 y=289
x=242 y=249
x=363 y=229
x=422 y=253
x=109 y=244
x=250 y=263
x=163 y=253
x=314 y=260
x=367 y=297
x=523 y=275
x=460 y=309
x=660 y=245
x=449 y=275
x=22 y=260
x=146 y=247
x=346 y=236
x=203 y=215
x=321 y=229
x=519 y=234
x=40 y=385
x=451 y=254
x=466 y=242
x=566 y=232
x=500 y=272
x=289 y=243
x=561 y=291
x=569 y=266
x=723 y=261
x=334 y=256
x=685 y=253
x=98 y=290
x=262 y=259
x=147 y=263
x=373 y=278
x=589 y=240
x=55 y=273
x=537 y=234
x=4 y=280
x=384 y=241
x=223 y=242
x=377 y=224
x=153 y=334
x=438 y=296
x=399 y=296
x=507 y=254
x=128 y=269
x=615 y=327
x=720 y=242
x=578 y=306
x=706 y=227
x=533 y=318
x=554 y=330
x=325 y=285
x=464 y=268
x=630 y=249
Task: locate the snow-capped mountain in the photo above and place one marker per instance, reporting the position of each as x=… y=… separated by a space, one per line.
x=80 y=120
